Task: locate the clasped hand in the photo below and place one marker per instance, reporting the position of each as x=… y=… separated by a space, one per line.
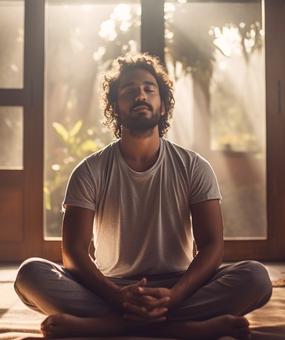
x=144 y=304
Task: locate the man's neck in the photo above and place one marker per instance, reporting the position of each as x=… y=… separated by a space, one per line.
x=140 y=151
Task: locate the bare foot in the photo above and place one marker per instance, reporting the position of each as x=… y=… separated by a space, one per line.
x=224 y=325
x=62 y=325
x=229 y=325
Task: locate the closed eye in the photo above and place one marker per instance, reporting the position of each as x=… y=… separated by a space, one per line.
x=129 y=91
x=149 y=89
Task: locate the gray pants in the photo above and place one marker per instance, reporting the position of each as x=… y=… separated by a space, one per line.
x=234 y=289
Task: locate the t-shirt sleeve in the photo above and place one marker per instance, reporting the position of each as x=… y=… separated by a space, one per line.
x=204 y=184
x=81 y=190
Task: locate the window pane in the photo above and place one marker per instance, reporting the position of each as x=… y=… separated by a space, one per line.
x=217 y=59
x=78 y=52
x=11 y=43
x=11 y=138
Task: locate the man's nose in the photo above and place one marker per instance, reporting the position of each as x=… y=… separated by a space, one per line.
x=140 y=95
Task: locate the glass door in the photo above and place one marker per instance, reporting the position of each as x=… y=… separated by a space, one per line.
x=78 y=53
x=215 y=51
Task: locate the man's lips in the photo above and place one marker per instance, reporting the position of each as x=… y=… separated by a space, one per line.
x=141 y=108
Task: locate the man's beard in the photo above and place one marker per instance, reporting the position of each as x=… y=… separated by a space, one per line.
x=137 y=123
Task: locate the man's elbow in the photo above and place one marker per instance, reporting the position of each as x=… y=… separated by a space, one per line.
x=213 y=250
x=71 y=256
x=67 y=259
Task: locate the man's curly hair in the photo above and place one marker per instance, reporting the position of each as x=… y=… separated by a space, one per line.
x=123 y=65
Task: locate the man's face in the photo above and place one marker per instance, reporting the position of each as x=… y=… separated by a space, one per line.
x=139 y=104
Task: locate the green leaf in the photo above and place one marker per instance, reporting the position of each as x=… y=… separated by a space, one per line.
x=88 y=146
x=61 y=131
x=76 y=128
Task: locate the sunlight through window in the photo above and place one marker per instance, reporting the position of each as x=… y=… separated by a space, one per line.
x=217 y=61
x=78 y=53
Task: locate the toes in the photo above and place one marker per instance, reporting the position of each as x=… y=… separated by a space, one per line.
x=48 y=326
x=47 y=321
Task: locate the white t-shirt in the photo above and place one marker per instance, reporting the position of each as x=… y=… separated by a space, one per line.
x=142 y=220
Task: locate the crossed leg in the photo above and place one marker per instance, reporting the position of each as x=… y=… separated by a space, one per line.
x=215 y=310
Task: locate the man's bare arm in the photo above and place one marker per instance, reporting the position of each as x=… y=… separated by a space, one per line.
x=208 y=234
x=76 y=238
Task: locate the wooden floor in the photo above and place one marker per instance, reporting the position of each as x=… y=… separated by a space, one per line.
x=15 y=317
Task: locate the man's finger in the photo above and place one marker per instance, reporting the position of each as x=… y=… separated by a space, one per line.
x=143 y=312
x=156 y=292
x=149 y=301
x=141 y=282
x=135 y=309
x=163 y=302
x=157 y=312
x=143 y=299
x=134 y=287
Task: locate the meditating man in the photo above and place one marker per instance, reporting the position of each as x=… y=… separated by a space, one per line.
x=142 y=199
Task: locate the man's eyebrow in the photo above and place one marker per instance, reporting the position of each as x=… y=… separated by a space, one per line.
x=131 y=83
x=148 y=82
